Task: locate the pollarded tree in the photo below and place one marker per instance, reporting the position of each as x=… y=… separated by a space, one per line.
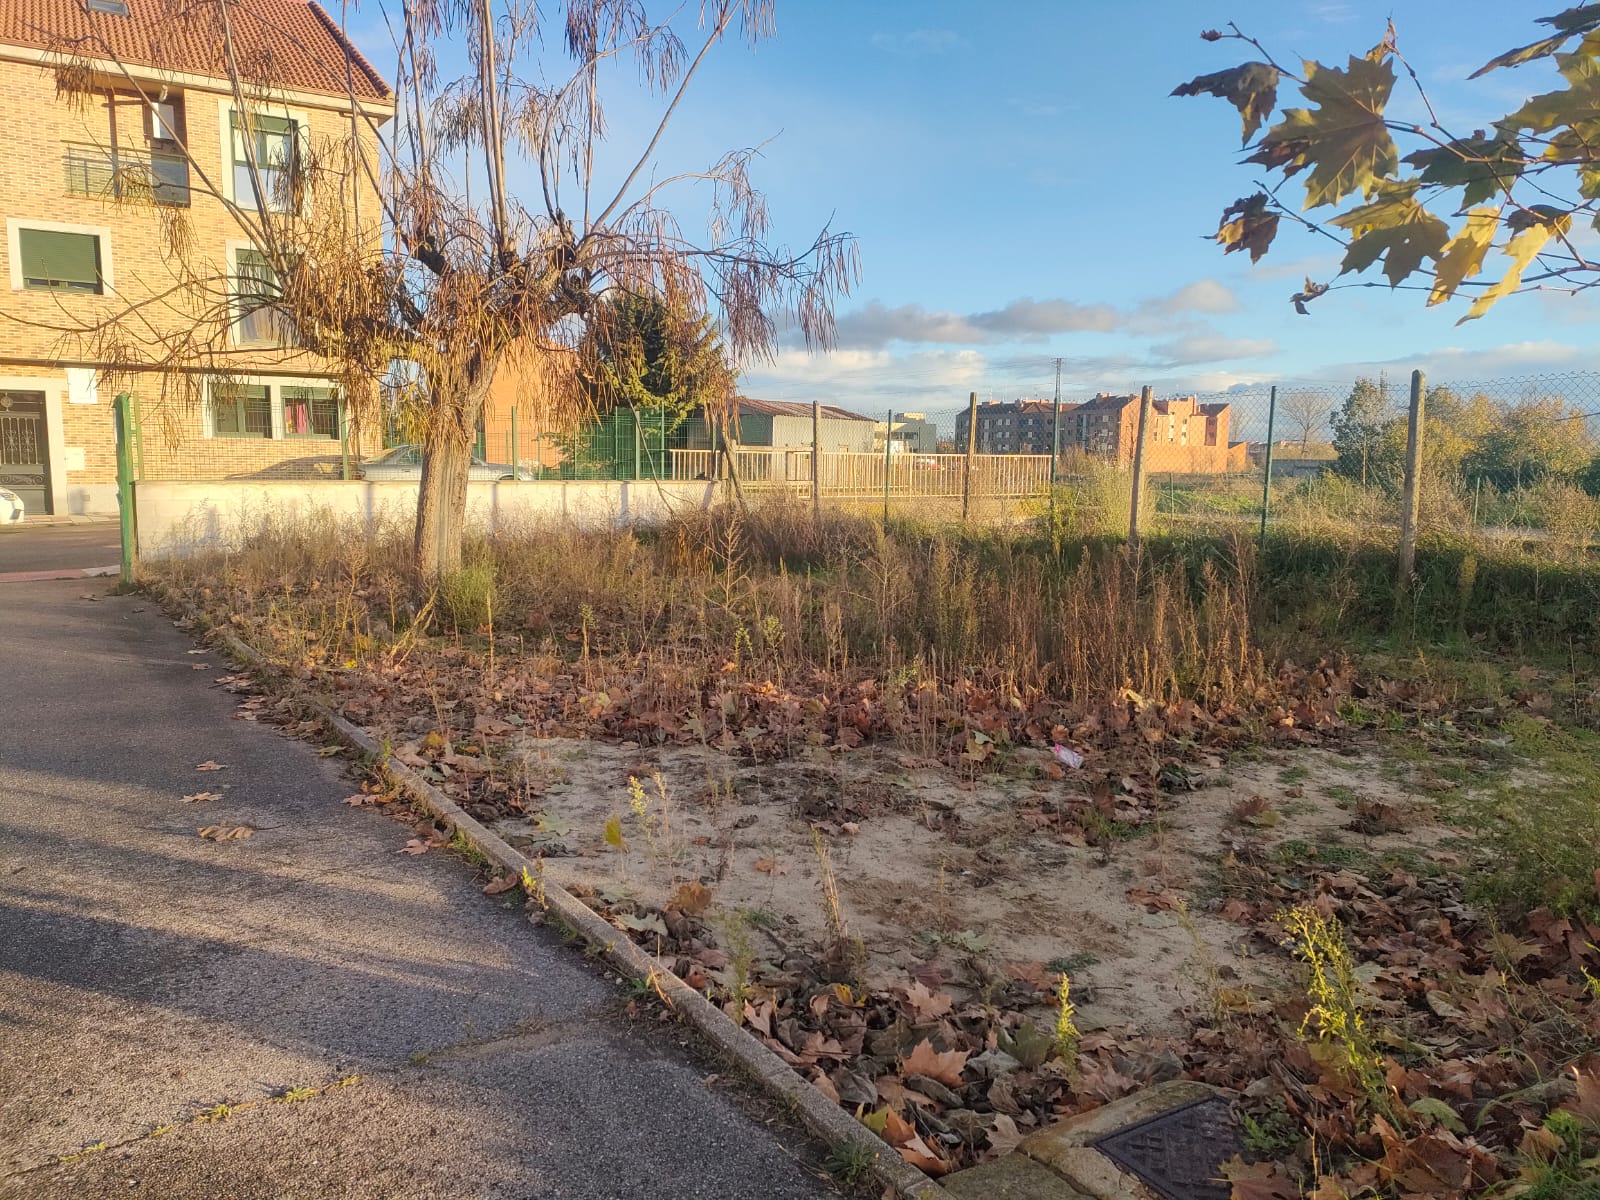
x=1431 y=216
x=502 y=221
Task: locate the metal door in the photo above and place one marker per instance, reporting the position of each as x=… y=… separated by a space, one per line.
x=24 y=450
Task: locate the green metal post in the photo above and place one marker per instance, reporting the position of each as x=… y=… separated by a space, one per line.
x=1266 y=479
x=664 y=459
x=344 y=440
x=888 y=440
x=637 y=443
x=516 y=445
x=122 y=420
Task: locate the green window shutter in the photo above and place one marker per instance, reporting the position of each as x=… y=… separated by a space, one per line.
x=53 y=259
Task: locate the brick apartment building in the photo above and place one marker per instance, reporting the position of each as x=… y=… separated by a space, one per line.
x=1015 y=427
x=1185 y=436
x=77 y=251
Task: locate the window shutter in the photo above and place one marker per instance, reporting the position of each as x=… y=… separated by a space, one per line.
x=67 y=258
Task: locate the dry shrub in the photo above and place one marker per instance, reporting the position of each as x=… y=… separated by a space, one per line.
x=1568 y=514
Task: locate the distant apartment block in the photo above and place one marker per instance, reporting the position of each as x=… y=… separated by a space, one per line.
x=1185 y=436
x=1015 y=427
x=913 y=433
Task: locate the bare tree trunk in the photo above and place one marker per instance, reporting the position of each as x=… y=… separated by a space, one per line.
x=441 y=506
x=442 y=498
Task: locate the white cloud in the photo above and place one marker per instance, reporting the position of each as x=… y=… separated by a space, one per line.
x=876 y=325
x=1201 y=296
x=1029 y=320
x=1208 y=347
x=1460 y=363
x=917 y=42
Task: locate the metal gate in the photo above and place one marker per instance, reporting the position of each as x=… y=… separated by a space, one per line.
x=24 y=449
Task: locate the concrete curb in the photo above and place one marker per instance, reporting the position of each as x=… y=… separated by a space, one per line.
x=62 y=573
x=823 y=1118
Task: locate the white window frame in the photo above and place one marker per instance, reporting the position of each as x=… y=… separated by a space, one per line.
x=274 y=385
x=14 y=228
x=226 y=109
x=235 y=335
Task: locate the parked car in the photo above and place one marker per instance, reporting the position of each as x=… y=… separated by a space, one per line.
x=11 y=507
x=405 y=463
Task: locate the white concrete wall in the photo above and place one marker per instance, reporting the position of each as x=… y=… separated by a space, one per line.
x=176 y=518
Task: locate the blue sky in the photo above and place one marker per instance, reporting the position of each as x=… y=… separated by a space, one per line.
x=1024 y=187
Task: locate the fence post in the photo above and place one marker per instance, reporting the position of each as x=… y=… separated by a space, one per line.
x=888 y=435
x=636 y=444
x=972 y=453
x=516 y=446
x=122 y=422
x=344 y=439
x=816 y=460
x=1136 y=508
x=1266 y=482
x=1055 y=447
x=1410 y=505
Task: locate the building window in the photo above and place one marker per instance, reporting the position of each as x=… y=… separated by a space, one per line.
x=241 y=411
x=56 y=260
x=310 y=412
x=258 y=319
x=275 y=144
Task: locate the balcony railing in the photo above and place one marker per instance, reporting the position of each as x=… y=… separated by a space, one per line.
x=113 y=174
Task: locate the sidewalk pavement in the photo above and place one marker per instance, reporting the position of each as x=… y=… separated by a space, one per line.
x=147 y=975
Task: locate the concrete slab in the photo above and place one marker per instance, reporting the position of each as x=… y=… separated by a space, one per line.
x=1013 y=1177
x=1068 y=1150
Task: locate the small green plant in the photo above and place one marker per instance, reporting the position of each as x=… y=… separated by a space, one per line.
x=1270 y=1134
x=1295 y=774
x=465 y=596
x=1335 y=995
x=294 y=1094
x=1067 y=1033
x=1541 y=837
x=460 y=844
x=1071 y=964
x=850 y=1162
x=741 y=957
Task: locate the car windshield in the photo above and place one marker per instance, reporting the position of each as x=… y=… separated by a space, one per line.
x=399 y=456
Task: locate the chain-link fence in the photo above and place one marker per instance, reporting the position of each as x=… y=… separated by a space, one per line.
x=1508 y=459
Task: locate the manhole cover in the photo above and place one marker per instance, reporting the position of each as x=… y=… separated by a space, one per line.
x=1179 y=1153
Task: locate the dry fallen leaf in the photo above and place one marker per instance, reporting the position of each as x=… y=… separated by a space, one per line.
x=768 y=866
x=926 y=1002
x=1004 y=1134
x=197 y=797
x=415 y=846
x=212 y=765
x=225 y=833
x=925 y=1060
x=503 y=883
x=691 y=899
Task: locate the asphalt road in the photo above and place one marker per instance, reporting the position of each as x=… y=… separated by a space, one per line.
x=60 y=547
x=147 y=975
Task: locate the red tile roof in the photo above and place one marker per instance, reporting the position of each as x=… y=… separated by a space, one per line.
x=1105 y=403
x=288 y=44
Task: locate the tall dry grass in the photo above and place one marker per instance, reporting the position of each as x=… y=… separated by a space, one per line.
x=777 y=591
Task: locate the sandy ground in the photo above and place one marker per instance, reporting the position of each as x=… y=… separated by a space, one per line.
x=969 y=875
